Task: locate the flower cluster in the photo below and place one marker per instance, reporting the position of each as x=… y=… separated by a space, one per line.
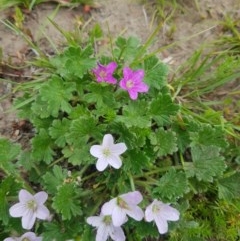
x=132 y=81
x=115 y=212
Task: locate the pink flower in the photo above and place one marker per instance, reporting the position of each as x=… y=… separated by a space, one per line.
x=123 y=205
x=105 y=73
x=30 y=207
x=29 y=236
x=161 y=213
x=105 y=228
x=133 y=82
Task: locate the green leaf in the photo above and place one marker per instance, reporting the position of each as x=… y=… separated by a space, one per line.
x=59 y=130
x=164 y=142
x=57 y=94
x=207 y=163
x=162 y=108
x=8 y=153
x=42 y=147
x=8 y=187
x=209 y=136
x=74 y=62
x=155 y=73
x=146 y=230
x=55 y=178
x=171 y=186
x=229 y=188
x=67 y=202
x=135 y=162
x=135 y=114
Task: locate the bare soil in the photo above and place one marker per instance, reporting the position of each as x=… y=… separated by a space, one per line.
x=193 y=26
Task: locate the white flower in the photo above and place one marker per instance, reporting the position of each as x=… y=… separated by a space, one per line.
x=108 y=153
x=105 y=228
x=161 y=213
x=123 y=205
x=30 y=207
x=29 y=236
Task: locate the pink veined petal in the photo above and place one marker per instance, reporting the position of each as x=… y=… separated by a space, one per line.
x=149 y=214
x=117 y=234
x=25 y=196
x=110 y=79
x=122 y=84
x=118 y=216
x=107 y=140
x=111 y=67
x=95 y=221
x=118 y=148
x=41 y=197
x=141 y=87
x=115 y=161
x=108 y=207
x=28 y=220
x=138 y=75
x=96 y=151
x=127 y=72
x=132 y=197
x=42 y=212
x=162 y=224
x=102 y=233
x=133 y=94
x=135 y=212
x=169 y=213
x=18 y=210
x=101 y=164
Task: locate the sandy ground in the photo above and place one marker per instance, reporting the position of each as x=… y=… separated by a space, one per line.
x=192 y=27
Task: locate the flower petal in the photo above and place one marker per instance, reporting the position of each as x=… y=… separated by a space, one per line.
x=41 y=197
x=148 y=213
x=108 y=207
x=96 y=151
x=24 y=196
x=169 y=213
x=142 y=87
x=42 y=212
x=133 y=94
x=101 y=164
x=111 y=67
x=118 y=216
x=127 y=72
x=132 y=197
x=28 y=220
x=118 y=148
x=18 y=210
x=138 y=75
x=115 y=161
x=102 y=233
x=107 y=140
x=135 y=212
x=29 y=236
x=95 y=221
x=162 y=224
x=9 y=239
x=117 y=234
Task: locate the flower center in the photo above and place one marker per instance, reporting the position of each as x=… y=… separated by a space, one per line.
x=102 y=74
x=121 y=203
x=129 y=84
x=32 y=205
x=156 y=208
x=106 y=152
x=107 y=220
x=26 y=239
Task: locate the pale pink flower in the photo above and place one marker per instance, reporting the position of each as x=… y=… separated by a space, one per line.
x=105 y=228
x=161 y=213
x=133 y=82
x=108 y=153
x=123 y=205
x=104 y=73
x=29 y=236
x=30 y=207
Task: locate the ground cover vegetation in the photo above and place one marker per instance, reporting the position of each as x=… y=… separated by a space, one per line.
x=122 y=146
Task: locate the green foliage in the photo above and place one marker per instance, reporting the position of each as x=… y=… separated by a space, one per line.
x=172 y=155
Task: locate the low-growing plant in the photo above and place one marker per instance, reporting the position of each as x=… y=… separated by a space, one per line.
x=115 y=149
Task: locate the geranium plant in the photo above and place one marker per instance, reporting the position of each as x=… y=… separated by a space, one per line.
x=112 y=150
